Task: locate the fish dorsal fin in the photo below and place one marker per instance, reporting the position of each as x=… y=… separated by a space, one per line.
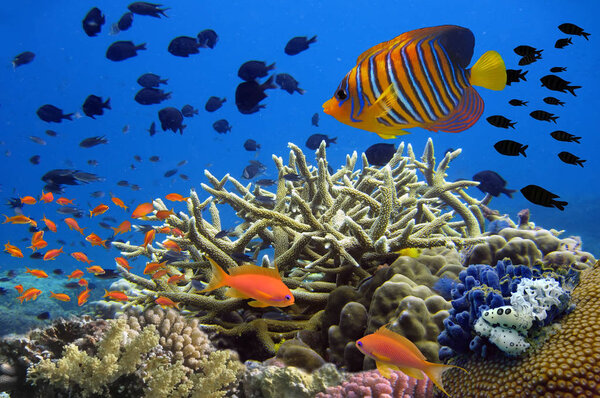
x=247 y=269
x=384 y=331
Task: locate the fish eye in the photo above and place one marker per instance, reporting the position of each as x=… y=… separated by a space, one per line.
x=288 y=297
x=359 y=343
x=341 y=94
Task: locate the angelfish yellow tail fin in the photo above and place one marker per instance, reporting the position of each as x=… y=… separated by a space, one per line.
x=435 y=370
x=489 y=71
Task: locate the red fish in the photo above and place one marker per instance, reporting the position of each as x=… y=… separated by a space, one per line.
x=176 y=279
x=30 y=294
x=13 y=250
x=116 y=295
x=164 y=214
x=149 y=237
x=153 y=267
x=95 y=240
x=72 y=223
x=51 y=226
x=60 y=296
x=38 y=273
x=64 y=201
x=119 y=202
x=166 y=302
x=76 y=274
x=96 y=270
x=47 y=197
x=100 y=209
x=28 y=200
x=142 y=210
x=83 y=297
x=80 y=256
x=123 y=263
x=125 y=226
x=52 y=254
x=175 y=197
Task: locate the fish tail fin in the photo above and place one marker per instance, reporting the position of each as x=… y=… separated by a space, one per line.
x=576 y=139
x=512 y=124
x=91 y=214
x=585 y=35
x=314 y=39
x=333 y=140
x=435 y=370
x=162 y=12
x=105 y=293
x=270 y=67
x=522 y=150
x=218 y=279
x=509 y=192
x=572 y=89
x=141 y=46
x=553 y=118
x=300 y=91
x=522 y=75
x=560 y=205
x=28 y=271
x=68 y=116
x=163 y=81
x=580 y=162
x=489 y=71
x=225 y=99
x=107 y=104
x=52 y=294
x=525 y=103
x=269 y=83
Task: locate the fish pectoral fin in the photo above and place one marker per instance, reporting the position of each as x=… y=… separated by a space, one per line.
x=258 y=304
x=381 y=358
x=384 y=369
x=234 y=293
x=412 y=372
x=386 y=100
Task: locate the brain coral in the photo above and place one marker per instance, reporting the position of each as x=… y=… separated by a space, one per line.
x=567 y=364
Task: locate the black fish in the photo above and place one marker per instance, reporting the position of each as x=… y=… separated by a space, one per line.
x=560 y=135
x=4 y=279
x=543 y=116
x=251 y=145
x=517 y=102
x=189 y=111
x=182 y=163
x=37 y=140
x=125 y=21
x=572 y=29
x=222 y=126
x=42 y=316
x=184 y=177
x=11 y=273
x=208 y=38
x=72 y=285
x=293 y=177
x=57 y=271
x=3 y=291
x=298 y=44
x=569 y=158
x=51 y=133
x=171 y=119
x=154 y=158
x=93 y=141
x=249 y=94
x=540 y=196
x=151 y=96
x=500 y=121
x=92 y=162
x=265 y=200
x=144 y=8
x=109 y=273
x=50 y=113
x=224 y=232
x=98 y=194
x=241 y=258
x=123 y=183
x=492 y=183
x=104 y=225
x=252 y=170
x=315 y=119
x=36 y=256
x=93 y=21
x=121 y=50
x=214 y=103
x=265 y=182
x=170 y=173
x=524 y=50
x=135 y=187
x=515 y=75
x=562 y=43
x=555 y=83
x=252 y=70
x=23 y=59
x=528 y=59
x=150 y=80
x=152 y=129
x=94 y=105
x=14 y=203
x=288 y=83
x=380 y=154
x=314 y=141
x=558 y=69
x=183 y=46
x=553 y=101
x=510 y=148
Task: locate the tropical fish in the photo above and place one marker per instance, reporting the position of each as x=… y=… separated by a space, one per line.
x=46 y=197
x=555 y=83
x=100 y=209
x=560 y=135
x=49 y=224
x=28 y=200
x=418 y=79
x=159 y=274
x=166 y=302
x=125 y=226
x=13 y=250
x=409 y=252
x=518 y=102
x=64 y=201
x=264 y=285
x=52 y=254
x=116 y=295
x=76 y=274
x=500 y=121
x=298 y=44
x=380 y=154
x=95 y=240
x=83 y=282
x=80 y=256
x=72 y=223
x=164 y=214
x=142 y=209
x=176 y=279
x=18 y=219
x=123 y=263
x=510 y=148
x=175 y=197
x=60 y=296
x=169 y=244
x=83 y=297
x=29 y=294
x=38 y=273
x=392 y=351
x=95 y=269
x=569 y=158
x=19 y=288
x=149 y=237
x=572 y=29
x=153 y=267
x=543 y=116
x=539 y=196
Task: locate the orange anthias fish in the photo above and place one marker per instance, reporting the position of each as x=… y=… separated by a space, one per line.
x=76 y=274
x=159 y=274
x=38 y=273
x=30 y=294
x=175 y=197
x=142 y=210
x=177 y=232
x=119 y=202
x=64 y=201
x=80 y=256
x=116 y=295
x=176 y=279
x=40 y=244
x=83 y=297
x=392 y=351
x=19 y=288
x=169 y=244
x=47 y=197
x=95 y=269
x=28 y=200
x=51 y=226
x=13 y=250
x=72 y=223
x=149 y=237
x=37 y=236
x=83 y=282
x=164 y=214
x=60 y=296
x=166 y=302
x=418 y=79
x=153 y=267
x=123 y=263
x=95 y=240
x=18 y=219
x=52 y=254
x=100 y=209
x=262 y=284
x=125 y=226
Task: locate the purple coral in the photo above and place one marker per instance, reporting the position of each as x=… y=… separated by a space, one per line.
x=372 y=384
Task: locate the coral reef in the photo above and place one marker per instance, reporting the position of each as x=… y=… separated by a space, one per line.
x=567 y=363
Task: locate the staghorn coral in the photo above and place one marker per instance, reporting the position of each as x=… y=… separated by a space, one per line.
x=328 y=230
x=566 y=364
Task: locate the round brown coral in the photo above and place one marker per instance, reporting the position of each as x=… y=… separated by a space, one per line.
x=567 y=364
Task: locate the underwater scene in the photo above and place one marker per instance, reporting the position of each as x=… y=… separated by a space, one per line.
x=289 y=199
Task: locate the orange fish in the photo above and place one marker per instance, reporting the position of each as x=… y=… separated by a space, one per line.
x=175 y=197
x=19 y=219
x=142 y=210
x=72 y=223
x=177 y=232
x=164 y=230
x=83 y=282
x=392 y=351
x=262 y=284
x=51 y=226
x=153 y=267
x=123 y=263
x=100 y=209
x=169 y=244
x=52 y=254
x=64 y=201
x=19 y=288
x=47 y=197
x=159 y=274
x=149 y=237
x=60 y=296
x=40 y=244
x=13 y=250
x=76 y=274
x=83 y=297
x=95 y=240
x=37 y=236
x=118 y=202
x=30 y=294
x=125 y=226
x=95 y=269
x=38 y=273
x=28 y=200
x=80 y=256
x=176 y=279
x=166 y=302
x=164 y=214
x=116 y=295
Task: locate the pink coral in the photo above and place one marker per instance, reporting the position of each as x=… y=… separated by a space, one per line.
x=372 y=384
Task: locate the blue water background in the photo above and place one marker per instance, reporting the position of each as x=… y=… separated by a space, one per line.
x=70 y=65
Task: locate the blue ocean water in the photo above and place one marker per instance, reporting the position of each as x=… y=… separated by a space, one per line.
x=69 y=66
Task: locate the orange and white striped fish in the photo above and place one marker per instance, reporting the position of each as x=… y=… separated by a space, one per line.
x=418 y=79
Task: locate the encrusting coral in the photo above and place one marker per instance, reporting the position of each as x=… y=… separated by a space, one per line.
x=327 y=229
